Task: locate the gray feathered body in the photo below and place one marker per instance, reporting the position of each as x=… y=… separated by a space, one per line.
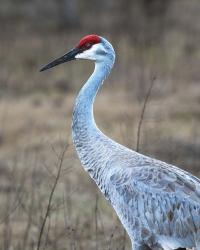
x=158 y=204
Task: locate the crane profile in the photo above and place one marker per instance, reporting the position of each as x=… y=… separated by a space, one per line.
x=157 y=203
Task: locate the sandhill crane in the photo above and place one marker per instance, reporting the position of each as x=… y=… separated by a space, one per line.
x=157 y=203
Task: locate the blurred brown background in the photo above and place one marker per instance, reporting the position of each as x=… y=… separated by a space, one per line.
x=152 y=38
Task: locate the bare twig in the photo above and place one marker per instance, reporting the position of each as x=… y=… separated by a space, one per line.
x=124 y=240
x=47 y=235
x=142 y=113
x=96 y=221
x=7 y=232
x=60 y=158
x=19 y=193
x=30 y=213
x=112 y=237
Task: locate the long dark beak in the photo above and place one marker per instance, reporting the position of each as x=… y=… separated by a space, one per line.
x=65 y=58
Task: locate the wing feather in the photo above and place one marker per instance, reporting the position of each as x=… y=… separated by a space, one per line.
x=159 y=177
x=170 y=197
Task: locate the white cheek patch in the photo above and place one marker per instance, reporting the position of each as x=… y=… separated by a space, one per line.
x=85 y=55
x=90 y=53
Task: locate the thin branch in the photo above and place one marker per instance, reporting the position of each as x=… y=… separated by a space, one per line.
x=142 y=113
x=96 y=221
x=47 y=235
x=124 y=240
x=61 y=158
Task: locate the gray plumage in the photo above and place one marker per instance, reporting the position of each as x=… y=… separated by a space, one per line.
x=158 y=204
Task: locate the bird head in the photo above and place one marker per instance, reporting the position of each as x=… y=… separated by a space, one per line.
x=91 y=47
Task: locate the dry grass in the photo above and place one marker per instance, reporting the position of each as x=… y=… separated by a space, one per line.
x=31 y=126
x=35 y=121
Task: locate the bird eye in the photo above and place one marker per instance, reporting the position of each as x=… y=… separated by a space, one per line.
x=88 y=45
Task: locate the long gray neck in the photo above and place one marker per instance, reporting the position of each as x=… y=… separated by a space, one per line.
x=91 y=144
